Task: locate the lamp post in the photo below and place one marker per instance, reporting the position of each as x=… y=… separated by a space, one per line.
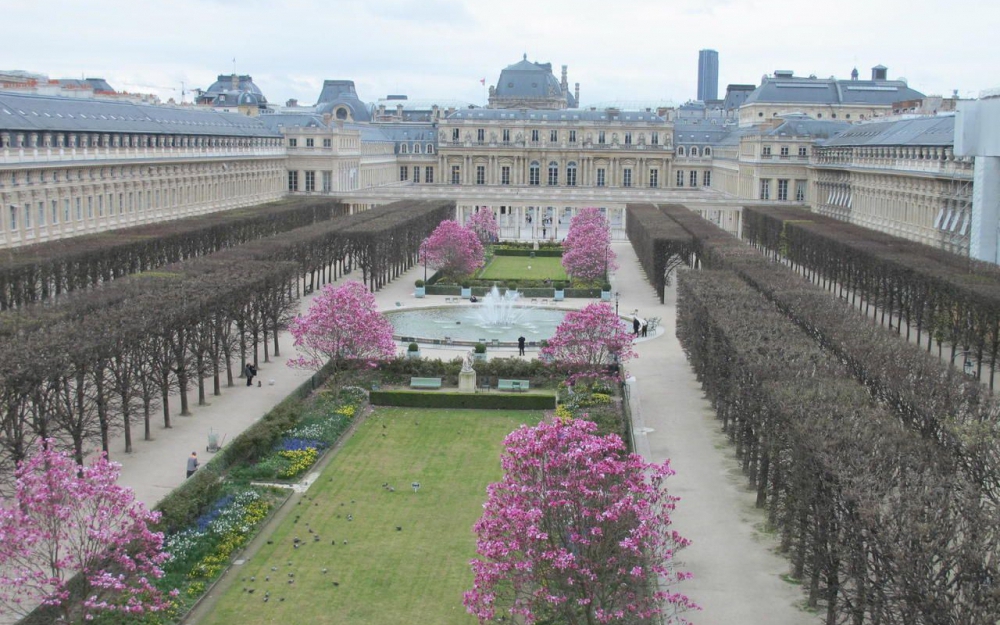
x=617 y=295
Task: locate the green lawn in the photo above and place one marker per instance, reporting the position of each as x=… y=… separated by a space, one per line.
x=416 y=575
x=516 y=268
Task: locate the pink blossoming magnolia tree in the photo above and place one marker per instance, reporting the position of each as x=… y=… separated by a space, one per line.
x=452 y=249
x=590 y=338
x=66 y=519
x=587 y=253
x=484 y=224
x=576 y=532
x=343 y=325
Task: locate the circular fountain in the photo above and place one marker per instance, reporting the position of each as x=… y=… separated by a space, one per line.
x=497 y=317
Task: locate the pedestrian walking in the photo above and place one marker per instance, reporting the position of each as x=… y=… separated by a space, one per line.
x=520 y=346
x=251 y=372
x=192 y=465
x=635 y=325
x=645 y=327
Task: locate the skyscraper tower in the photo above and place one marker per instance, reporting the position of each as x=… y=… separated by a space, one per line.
x=708 y=75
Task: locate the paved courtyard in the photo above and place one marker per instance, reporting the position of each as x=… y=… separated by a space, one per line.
x=737 y=575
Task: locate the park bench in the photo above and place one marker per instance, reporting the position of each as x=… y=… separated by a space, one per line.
x=425 y=382
x=513 y=385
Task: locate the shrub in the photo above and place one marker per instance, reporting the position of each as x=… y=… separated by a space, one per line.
x=413 y=347
x=420 y=399
x=418 y=283
x=606 y=286
x=479 y=348
x=466 y=284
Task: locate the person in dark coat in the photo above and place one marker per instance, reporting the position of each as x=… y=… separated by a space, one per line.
x=635 y=325
x=520 y=346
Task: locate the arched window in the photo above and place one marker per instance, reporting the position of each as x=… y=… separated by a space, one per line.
x=402 y=148
x=571 y=174
x=708 y=151
x=416 y=148
x=429 y=149
x=694 y=150
x=553 y=173
x=680 y=150
x=341 y=113
x=534 y=172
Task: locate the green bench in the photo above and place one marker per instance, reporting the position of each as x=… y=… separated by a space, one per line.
x=513 y=385
x=425 y=382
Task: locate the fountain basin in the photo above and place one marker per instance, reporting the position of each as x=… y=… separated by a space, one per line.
x=462 y=325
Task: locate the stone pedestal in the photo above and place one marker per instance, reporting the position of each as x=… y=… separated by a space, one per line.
x=467 y=381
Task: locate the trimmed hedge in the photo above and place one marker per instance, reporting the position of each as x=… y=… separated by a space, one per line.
x=540 y=253
x=483 y=401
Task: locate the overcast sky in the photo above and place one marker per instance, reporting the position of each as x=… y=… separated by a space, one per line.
x=439 y=49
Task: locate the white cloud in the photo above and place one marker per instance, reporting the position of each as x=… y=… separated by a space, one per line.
x=639 y=50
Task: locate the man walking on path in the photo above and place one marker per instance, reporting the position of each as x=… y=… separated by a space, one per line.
x=645 y=327
x=250 y=371
x=520 y=346
x=635 y=325
x=192 y=464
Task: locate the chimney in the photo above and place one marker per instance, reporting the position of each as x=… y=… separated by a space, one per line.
x=879 y=72
x=563 y=83
x=576 y=94
x=236 y=82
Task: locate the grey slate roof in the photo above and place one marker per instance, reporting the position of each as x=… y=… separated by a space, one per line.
x=225 y=82
x=34 y=113
x=342 y=93
x=702 y=133
x=803 y=125
x=545 y=115
x=423 y=133
x=290 y=120
x=797 y=90
x=526 y=79
x=934 y=131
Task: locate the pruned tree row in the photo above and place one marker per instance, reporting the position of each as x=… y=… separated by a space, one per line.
x=942 y=297
x=40 y=272
x=661 y=244
x=89 y=364
x=882 y=525
x=81 y=380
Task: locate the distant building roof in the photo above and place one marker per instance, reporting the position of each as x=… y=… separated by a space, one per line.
x=556 y=115
x=528 y=80
x=340 y=94
x=934 y=131
x=33 y=113
x=225 y=83
x=783 y=88
x=276 y=121
x=803 y=125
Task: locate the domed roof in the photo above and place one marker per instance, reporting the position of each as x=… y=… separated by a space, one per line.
x=243 y=83
x=338 y=98
x=231 y=97
x=529 y=80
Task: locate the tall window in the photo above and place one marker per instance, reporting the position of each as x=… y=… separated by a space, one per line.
x=454 y=134
x=765 y=189
x=100 y=206
x=293 y=181
x=13 y=218
x=600 y=176
x=327 y=181
x=654 y=178
x=292 y=143
x=706 y=178
x=766 y=151
x=310 y=143
x=404 y=173
x=680 y=178
x=480 y=174
x=310 y=182
x=694 y=179
x=655 y=139
x=627 y=177
x=782 y=190
x=66 y=208
x=327 y=143
x=571 y=175
x=79 y=208
x=534 y=173
x=403 y=148
x=27 y=216
x=428 y=174
x=506 y=135
x=784 y=150
x=534 y=136
x=553 y=174
x=694 y=150
x=505 y=175
x=800 y=190
x=802 y=151
x=600 y=137
x=572 y=136
x=416 y=173
x=628 y=138
x=41 y=213
x=456 y=174
x=481 y=135
x=553 y=136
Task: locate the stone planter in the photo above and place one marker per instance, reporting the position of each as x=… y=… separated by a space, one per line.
x=413 y=355
x=559 y=296
x=606 y=296
x=479 y=357
x=466 y=292
x=420 y=291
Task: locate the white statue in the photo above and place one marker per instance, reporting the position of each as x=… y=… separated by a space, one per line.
x=467 y=362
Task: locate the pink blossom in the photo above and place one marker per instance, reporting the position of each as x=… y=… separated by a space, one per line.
x=343 y=324
x=548 y=539
x=66 y=519
x=591 y=338
x=452 y=249
x=484 y=224
x=587 y=253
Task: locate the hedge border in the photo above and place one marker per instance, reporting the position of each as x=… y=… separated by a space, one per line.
x=482 y=401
